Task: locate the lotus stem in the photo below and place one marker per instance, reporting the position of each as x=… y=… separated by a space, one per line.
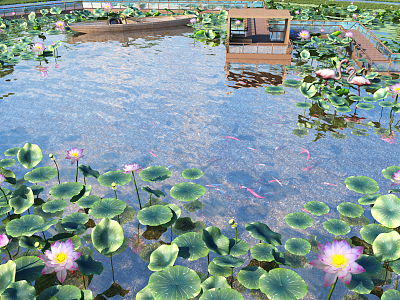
x=83 y=278
x=76 y=179
x=43 y=235
x=17 y=252
x=395 y=101
x=137 y=192
x=9 y=255
x=208 y=263
x=331 y=291
x=397 y=280
x=236 y=236
x=232 y=278
x=150 y=199
x=84 y=179
x=112 y=268
x=4 y=195
x=27 y=253
x=171 y=234
x=58 y=172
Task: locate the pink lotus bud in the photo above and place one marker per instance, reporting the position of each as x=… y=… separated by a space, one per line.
x=3 y=240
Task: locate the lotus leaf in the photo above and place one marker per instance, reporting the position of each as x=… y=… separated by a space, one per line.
x=359 y=221
x=250 y=276
x=371 y=265
x=308 y=89
x=316 y=208
x=21 y=199
x=144 y=294
x=263 y=252
x=11 y=151
x=262 y=232
x=63 y=237
x=193 y=173
x=298 y=220
x=303 y=105
x=215 y=241
x=36 y=189
x=107 y=236
x=386 y=104
x=297 y=246
x=32 y=242
x=60 y=292
x=368 y=199
x=336 y=227
x=88 y=266
x=88 y=172
x=155 y=215
x=163 y=257
x=395 y=265
x=350 y=210
x=228 y=261
x=386 y=246
x=146 y=251
x=117 y=177
x=365 y=106
x=343 y=109
x=239 y=248
x=191 y=246
x=8 y=162
x=66 y=190
x=361 y=184
x=108 y=208
x=88 y=201
x=183 y=225
x=28 y=268
x=24 y=226
x=391 y=295
x=72 y=221
x=156 y=193
x=29 y=155
x=214 y=282
x=216 y=270
x=360 y=284
x=187 y=191
x=193 y=206
x=174 y=283
x=305 y=54
x=19 y=290
x=157 y=173
x=7 y=272
x=292 y=83
x=275 y=90
x=127 y=215
x=386 y=210
x=221 y=294
x=55 y=205
x=381 y=93
x=388 y=172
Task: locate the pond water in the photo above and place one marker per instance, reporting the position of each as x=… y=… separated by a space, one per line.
x=105 y=96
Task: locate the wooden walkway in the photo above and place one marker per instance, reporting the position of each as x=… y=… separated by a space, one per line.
x=367 y=47
x=257 y=30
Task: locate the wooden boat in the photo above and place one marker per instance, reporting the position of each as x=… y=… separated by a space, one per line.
x=133 y=24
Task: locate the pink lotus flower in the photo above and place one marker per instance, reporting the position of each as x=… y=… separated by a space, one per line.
x=38 y=48
x=13 y=13
x=56 y=66
x=304 y=35
x=193 y=20
x=396 y=176
x=322 y=30
x=107 y=7
x=70 y=11
x=60 y=259
x=297 y=12
x=4 y=240
x=374 y=14
x=2 y=178
x=337 y=260
x=349 y=34
x=395 y=88
x=354 y=16
x=60 y=24
x=237 y=23
x=74 y=155
x=316 y=10
x=132 y=168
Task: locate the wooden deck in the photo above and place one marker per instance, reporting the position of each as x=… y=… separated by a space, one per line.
x=257 y=30
x=366 y=46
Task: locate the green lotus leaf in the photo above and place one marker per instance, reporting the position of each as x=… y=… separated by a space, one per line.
x=156 y=193
x=117 y=177
x=9 y=176
x=24 y=225
x=21 y=199
x=360 y=284
x=193 y=206
x=7 y=275
x=28 y=268
x=388 y=172
x=365 y=106
x=343 y=109
x=290 y=68
x=275 y=90
x=127 y=215
x=368 y=199
x=361 y=184
x=63 y=237
x=29 y=155
x=72 y=221
x=228 y=261
x=356 y=98
x=85 y=191
x=359 y=132
x=292 y=83
x=216 y=270
x=214 y=282
x=107 y=208
x=395 y=265
x=305 y=54
x=88 y=266
x=336 y=227
x=107 y=236
x=191 y=246
x=263 y=252
x=39 y=211
x=154 y=215
x=46 y=225
x=144 y=294
x=381 y=93
x=41 y=174
x=308 y=89
x=4 y=208
x=174 y=283
x=335 y=100
x=55 y=205
x=386 y=210
x=88 y=201
x=370 y=99
x=386 y=246
x=19 y=290
x=298 y=220
x=262 y=232
x=386 y=103
x=183 y=225
x=8 y=162
x=323 y=104
x=176 y=213
x=32 y=242
x=187 y=191
x=12 y=151
x=283 y=284
x=163 y=257
x=192 y=173
x=146 y=251
x=350 y=210
x=250 y=276
x=371 y=265
x=60 y=292
x=88 y=172
x=239 y=248
x=36 y=189
x=221 y=294
x=391 y=295
x=316 y=208
x=66 y=190
x=215 y=241
x=155 y=174
x=298 y=246
x=303 y=105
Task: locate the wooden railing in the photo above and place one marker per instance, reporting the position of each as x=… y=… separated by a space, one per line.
x=289 y=48
x=28 y=8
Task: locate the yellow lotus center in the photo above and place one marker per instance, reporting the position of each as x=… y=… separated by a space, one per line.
x=61 y=257
x=75 y=154
x=397 y=89
x=338 y=260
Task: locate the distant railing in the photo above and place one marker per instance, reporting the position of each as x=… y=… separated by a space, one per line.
x=288 y=49
x=28 y=8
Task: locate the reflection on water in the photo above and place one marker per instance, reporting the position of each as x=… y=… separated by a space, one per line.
x=176 y=100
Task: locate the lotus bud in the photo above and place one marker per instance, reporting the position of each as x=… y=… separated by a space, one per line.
x=113 y=185
x=51 y=156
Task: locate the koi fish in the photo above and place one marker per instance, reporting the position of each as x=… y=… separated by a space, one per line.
x=154 y=124
x=252 y=149
x=230 y=137
x=170 y=166
x=259 y=189
x=240 y=187
x=211 y=160
x=216 y=184
x=310 y=167
x=276 y=180
x=279 y=147
x=305 y=210
x=222 y=192
x=269 y=193
x=306 y=151
x=260 y=164
x=329 y=183
x=151 y=153
x=254 y=194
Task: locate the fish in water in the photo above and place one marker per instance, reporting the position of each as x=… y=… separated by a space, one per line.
x=154 y=124
x=255 y=194
x=279 y=147
x=230 y=137
x=276 y=180
x=151 y=153
x=327 y=183
x=211 y=160
x=252 y=149
x=306 y=151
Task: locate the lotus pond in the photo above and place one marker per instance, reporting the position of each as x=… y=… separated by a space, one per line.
x=234 y=168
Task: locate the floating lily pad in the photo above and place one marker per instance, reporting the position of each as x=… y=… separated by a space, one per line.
x=55 y=205
x=350 y=210
x=163 y=257
x=36 y=189
x=156 y=193
x=85 y=191
x=250 y=276
x=88 y=201
x=158 y=173
x=365 y=106
x=221 y=294
x=303 y=105
x=88 y=266
x=183 y=225
x=388 y=172
x=371 y=231
x=107 y=236
x=187 y=191
x=356 y=98
x=155 y=215
x=262 y=232
x=361 y=184
x=24 y=226
x=391 y=295
x=368 y=199
x=275 y=90
x=361 y=284
x=214 y=282
x=316 y=208
x=107 y=208
x=370 y=99
x=41 y=174
x=336 y=227
x=144 y=294
x=146 y=251
x=7 y=272
x=39 y=211
x=75 y=221
x=127 y=215
x=88 y=172
x=298 y=220
x=12 y=151
x=193 y=206
x=343 y=109
x=193 y=173
x=215 y=241
x=239 y=248
x=386 y=210
x=66 y=190
x=19 y=290
x=228 y=261
x=386 y=246
x=283 y=284
x=297 y=246
x=32 y=242
x=292 y=83
x=117 y=177
x=60 y=292
x=294 y=261
x=216 y=270
x=8 y=162
x=174 y=283
x=176 y=213
x=371 y=265
x=29 y=155
x=191 y=246
x=263 y=252
x=386 y=103
x=28 y=268
x=21 y=199
x=390 y=82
